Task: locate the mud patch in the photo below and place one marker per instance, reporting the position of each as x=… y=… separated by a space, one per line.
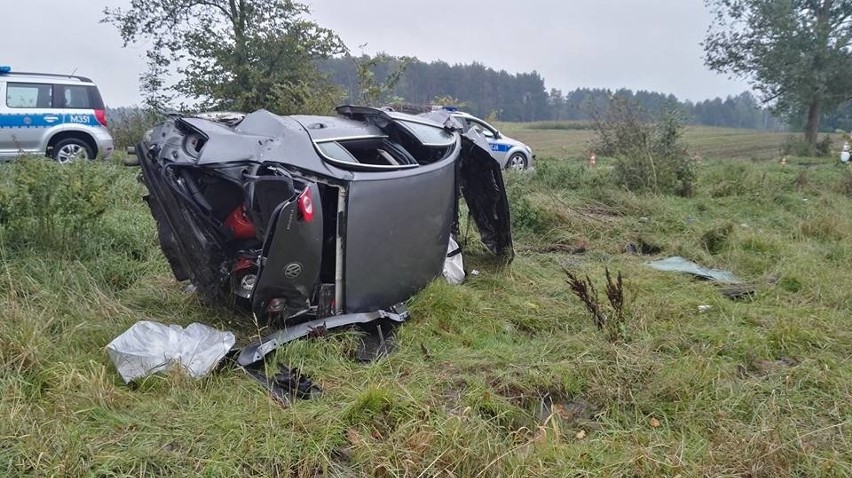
x=574 y=412
x=763 y=367
x=643 y=247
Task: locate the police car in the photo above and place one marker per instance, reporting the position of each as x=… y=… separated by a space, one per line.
x=510 y=153
x=61 y=116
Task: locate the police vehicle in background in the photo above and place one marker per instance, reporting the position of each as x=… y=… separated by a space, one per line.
x=509 y=153
x=61 y=116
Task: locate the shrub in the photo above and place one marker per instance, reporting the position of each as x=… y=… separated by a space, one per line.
x=530 y=215
x=796 y=146
x=127 y=125
x=823 y=147
x=49 y=206
x=650 y=156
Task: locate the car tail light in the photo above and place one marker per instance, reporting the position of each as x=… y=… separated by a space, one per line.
x=306 y=205
x=100 y=115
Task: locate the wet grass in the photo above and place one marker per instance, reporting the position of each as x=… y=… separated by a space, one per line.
x=505 y=375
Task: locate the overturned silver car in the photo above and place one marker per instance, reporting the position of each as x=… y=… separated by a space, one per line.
x=317 y=221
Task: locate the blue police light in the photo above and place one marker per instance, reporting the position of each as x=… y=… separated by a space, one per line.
x=451 y=108
x=5 y=69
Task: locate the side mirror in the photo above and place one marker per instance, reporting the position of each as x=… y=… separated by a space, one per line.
x=497 y=135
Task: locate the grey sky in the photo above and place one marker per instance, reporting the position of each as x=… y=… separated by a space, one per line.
x=637 y=44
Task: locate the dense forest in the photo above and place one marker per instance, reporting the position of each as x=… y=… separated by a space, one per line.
x=486 y=92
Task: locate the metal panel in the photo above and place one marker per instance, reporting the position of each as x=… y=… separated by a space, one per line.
x=397 y=229
x=292 y=253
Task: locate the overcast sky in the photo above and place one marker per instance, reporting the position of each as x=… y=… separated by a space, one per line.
x=637 y=44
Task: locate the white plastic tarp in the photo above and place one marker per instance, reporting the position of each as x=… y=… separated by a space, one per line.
x=149 y=347
x=453 y=264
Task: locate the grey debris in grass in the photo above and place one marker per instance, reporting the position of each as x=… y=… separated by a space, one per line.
x=679 y=264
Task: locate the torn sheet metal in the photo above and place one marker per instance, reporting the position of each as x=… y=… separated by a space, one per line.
x=679 y=264
x=258 y=350
x=149 y=347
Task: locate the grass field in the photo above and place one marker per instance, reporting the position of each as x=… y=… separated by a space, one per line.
x=552 y=140
x=505 y=375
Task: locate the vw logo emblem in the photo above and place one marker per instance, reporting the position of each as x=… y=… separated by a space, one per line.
x=292 y=270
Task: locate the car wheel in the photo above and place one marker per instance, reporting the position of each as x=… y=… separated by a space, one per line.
x=71 y=149
x=517 y=162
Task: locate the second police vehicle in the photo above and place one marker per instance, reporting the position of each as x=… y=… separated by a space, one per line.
x=509 y=153
x=60 y=116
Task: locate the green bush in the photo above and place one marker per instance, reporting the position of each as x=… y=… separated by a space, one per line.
x=796 y=146
x=128 y=125
x=650 y=156
x=530 y=215
x=50 y=206
x=823 y=147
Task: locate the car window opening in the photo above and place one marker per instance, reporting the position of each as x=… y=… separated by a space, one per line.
x=367 y=152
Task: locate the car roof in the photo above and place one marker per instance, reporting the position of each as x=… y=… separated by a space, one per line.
x=46 y=78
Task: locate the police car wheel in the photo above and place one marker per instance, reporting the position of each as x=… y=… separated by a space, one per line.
x=518 y=162
x=71 y=149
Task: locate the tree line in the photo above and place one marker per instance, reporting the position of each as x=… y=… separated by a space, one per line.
x=249 y=54
x=486 y=92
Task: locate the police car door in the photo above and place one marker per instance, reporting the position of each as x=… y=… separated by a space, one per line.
x=498 y=150
x=27 y=112
x=78 y=104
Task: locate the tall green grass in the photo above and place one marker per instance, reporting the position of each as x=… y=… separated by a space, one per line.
x=505 y=375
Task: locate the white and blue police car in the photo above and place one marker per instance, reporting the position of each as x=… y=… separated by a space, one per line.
x=510 y=153
x=61 y=116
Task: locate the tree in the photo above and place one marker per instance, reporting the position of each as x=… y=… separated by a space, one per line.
x=375 y=87
x=230 y=54
x=796 y=53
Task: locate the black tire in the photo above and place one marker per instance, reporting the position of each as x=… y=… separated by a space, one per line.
x=71 y=149
x=517 y=162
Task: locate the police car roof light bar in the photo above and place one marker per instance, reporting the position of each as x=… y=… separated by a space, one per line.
x=5 y=69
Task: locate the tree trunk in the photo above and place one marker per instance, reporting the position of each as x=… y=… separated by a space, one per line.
x=812 y=125
x=822 y=28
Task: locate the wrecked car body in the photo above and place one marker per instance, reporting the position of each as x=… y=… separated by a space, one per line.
x=312 y=221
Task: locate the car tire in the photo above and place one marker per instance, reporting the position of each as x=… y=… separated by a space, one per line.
x=517 y=162
x=70 y=150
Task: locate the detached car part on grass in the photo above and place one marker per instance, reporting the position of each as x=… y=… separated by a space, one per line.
x=316 y=222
